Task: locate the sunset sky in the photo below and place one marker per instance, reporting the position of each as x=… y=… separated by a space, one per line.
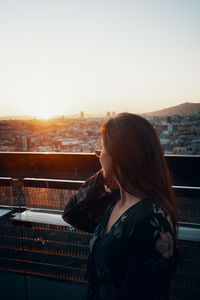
x=63 y=56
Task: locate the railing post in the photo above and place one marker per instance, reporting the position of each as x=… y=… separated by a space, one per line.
x=18 y=193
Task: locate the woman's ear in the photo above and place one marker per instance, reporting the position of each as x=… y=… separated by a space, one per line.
x=111 y=182
x=114 y=185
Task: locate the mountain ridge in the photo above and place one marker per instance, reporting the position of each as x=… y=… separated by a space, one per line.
x=186 y=108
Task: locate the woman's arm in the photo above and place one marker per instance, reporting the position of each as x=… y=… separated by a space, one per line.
x=151 y=261
x=85 y=209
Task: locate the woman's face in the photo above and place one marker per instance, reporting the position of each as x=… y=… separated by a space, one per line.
x=106 y=163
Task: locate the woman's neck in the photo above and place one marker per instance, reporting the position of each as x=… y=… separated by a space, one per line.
x=127 y=199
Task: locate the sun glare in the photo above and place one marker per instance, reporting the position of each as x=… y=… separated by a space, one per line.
x=44 y=116
x=42 y=111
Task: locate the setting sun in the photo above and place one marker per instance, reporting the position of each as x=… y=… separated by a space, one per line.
x=43 y=110
x=43 y=116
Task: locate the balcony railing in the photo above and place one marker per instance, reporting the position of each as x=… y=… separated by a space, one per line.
x=35 y=241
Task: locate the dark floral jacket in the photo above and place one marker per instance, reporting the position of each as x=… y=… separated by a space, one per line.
x=137 y=258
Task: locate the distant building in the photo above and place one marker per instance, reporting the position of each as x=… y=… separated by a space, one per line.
x=82 y=114
x=108 y=114
x=113 y=113
x=28 y=143
x=24 y=143
x=70 y=142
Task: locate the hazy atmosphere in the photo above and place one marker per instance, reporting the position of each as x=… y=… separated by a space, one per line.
x=61 y=57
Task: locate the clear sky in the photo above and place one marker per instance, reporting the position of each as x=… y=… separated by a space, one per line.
x=64 y=56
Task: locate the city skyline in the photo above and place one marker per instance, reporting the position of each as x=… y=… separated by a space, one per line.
x=186 y=108
x=63 y=57
x=179 y=134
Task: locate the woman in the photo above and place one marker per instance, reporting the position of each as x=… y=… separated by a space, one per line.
x=133 y=253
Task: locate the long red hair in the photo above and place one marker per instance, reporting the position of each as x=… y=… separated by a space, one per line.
x=138 y=160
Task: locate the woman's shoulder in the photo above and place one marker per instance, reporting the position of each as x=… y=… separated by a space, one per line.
x=150 y=216
x=146 y=208
x=156 y=217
